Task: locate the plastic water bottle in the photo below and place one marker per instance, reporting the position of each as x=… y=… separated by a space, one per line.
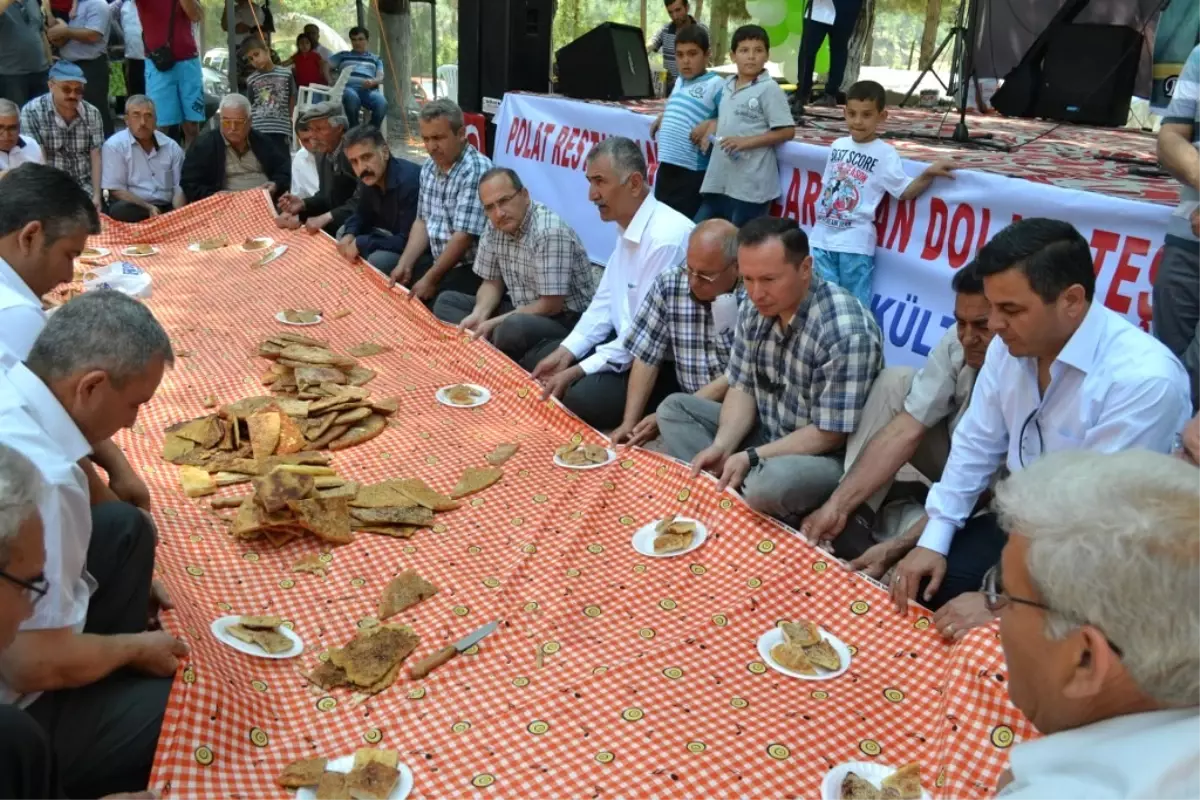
x=715 y=141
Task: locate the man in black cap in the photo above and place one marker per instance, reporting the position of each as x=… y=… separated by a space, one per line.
x=332 y=205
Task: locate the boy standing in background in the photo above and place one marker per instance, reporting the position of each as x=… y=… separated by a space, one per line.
x=861 y=168
x=681 y=17
x=272 y=91
x=680 y=129
x=752 y=119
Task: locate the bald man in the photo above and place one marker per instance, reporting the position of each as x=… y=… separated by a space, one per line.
x=691 y=312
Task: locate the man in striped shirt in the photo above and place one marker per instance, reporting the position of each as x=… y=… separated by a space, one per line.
x=366 y=76
x=665 y=39
x=680 y=128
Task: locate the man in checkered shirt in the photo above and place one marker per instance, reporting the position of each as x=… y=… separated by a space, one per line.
x=689 y=313
x=805 y=355
x=450 y=217
x=529 y=251
x=68 y=128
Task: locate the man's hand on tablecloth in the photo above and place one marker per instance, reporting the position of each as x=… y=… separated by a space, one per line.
x=160 y=601
x=402 y=274
x=349 y=249
x=557 y=385
x=638 y=432
x=158 y=653
x=824 y=524
x=964 y=612
x=879 y=558
x=424 y=290
x=288 y=222
x=290 y=204
x=552 y=364
x=485 y=329
x=736 y=467
x=317 y=224
x=915 y=567
x=712 y=459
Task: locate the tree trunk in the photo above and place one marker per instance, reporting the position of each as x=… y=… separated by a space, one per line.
x=718 y=29
x=933 y=12
x=643 y=15
x=395 y=48
x=859 y=41
x=698 y=10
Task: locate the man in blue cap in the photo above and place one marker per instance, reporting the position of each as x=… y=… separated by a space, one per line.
x=68 y=128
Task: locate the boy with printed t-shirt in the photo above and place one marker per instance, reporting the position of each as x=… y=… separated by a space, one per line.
x=752 y=119
x=681 y=128
x=861 y=168
x=272 y=91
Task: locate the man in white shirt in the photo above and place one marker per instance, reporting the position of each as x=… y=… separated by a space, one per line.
x=141 y=166
x=84 y=664
x=1096 y=592
x=651 y=237
x=306 y=180
x=15 y=149
x=1063 y=373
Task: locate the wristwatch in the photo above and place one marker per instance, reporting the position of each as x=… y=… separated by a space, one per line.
x=752 y=454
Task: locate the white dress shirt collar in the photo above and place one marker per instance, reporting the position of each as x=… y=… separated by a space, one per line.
x=49 y=413
x=9 y=279
x=637 y=225
x=1082 y=349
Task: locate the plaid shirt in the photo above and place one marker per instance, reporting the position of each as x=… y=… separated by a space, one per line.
x=817 y=372
x=545 y=259
x=449 y=201
x=670 y=321
x=66 y=146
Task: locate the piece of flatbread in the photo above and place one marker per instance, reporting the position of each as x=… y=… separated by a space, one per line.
x=353 y=415
x=673 y=542
x=904 y=783
x=368 y=349
x=404 y=591
x=197 y=482
x=823 y=655
x=305 y=772
x=395 y=531
x=310 y=563
x=855 y=787
x=367 y=755
x=398 y=515
x=270 y=641
x=420 y=492
x=373 y=653
x=387 y=406
x=264 y=433
x=802 y=633
x=462 y=394
x=372 y=781
x=475 y=479
x=385 y=494
x=359 y=432
x=347 y=490
x=331 y=435
x=502 y=452
x=261 y=623
x=275 y=490
x=327 y=517
x=332 y=786
x=792 y=657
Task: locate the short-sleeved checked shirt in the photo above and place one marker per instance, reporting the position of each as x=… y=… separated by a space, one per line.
x=66 y=146
x=819 y=371
x=544 y=259
x=671 y=321
x=449 y=201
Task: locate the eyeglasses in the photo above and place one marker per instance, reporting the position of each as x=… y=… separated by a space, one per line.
x=700 y=276
x=995 y=599
x=1041 y=445
x=35 y=589
x=503 y=201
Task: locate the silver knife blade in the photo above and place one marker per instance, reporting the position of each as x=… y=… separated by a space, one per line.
x=475 y=637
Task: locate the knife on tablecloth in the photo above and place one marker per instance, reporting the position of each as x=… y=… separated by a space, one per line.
x=434 y=660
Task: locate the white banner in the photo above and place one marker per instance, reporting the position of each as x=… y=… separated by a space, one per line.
x=921 y=242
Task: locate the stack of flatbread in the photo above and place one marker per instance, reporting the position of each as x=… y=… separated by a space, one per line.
x=671 y=536
x=286 y=505
x=803 y=649
x=373 y=776
x=261 y=631
x=577 y=454
x=398 y=507
x=368 y=663
x=903 y=784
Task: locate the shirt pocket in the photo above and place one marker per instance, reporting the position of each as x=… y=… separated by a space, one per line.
x=1058 y=440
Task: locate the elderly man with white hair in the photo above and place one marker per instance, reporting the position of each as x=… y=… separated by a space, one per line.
x=1098 y=594
x=84 y=665
x=15 y=149
x=235 y=157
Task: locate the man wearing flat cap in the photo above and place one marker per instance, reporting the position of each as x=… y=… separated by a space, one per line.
x=68 y=128
x=332 y=204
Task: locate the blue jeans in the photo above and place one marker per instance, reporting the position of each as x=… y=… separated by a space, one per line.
x=852 y=271
x=739 y=212
x=355 y=97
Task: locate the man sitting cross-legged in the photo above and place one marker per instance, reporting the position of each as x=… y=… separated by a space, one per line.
x=909 y=418
x=529 y=251
x=141 y=166
x=651 y=237
x=691 y=312
x=84 y=665
x=804 y=356
x=385 y=202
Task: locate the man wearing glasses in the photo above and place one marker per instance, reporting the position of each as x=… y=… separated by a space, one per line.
x=691 y=314
x=804 y=357
x=1096 y=591
x=528 y=252
x=84 y=665
x=1063 y=373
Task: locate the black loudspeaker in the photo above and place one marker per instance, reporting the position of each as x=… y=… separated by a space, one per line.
x=607 y=63
x=1089 y=74
x=503 y=45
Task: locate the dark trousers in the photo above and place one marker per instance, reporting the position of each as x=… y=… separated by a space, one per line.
x=679 y=188
x=104 y=735
x=23 y=88
x=518 y=333
x=974 y=550
x=839 y=48
x=720 y=206
x=95 y=91
x=599 y=399
x=27 y=766
x=125 y=211
x=1176 y=321
x=461 y=279
x=135 y=76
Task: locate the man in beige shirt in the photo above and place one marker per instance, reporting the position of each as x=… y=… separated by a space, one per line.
x=909 y=418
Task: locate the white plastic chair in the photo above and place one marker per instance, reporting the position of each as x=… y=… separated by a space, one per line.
x=448 y=75
x=316 y=93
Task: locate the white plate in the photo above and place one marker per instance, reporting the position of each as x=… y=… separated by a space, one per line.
x=281 y=318
x=101 y=252
x=831 y=787
x=269 y=241
x=129 y=253
x=484 y=396
x=775 y=636
x=218 y=628
x=612 y=456
x=194 y=247
x=643 y=538
x=273 y=254
x=346 y=763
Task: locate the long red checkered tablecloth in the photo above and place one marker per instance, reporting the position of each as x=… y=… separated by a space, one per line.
x=612 y=674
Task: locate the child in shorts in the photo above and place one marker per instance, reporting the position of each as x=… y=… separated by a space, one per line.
x=860 y=170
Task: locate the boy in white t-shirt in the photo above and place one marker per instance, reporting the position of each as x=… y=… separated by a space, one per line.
x=861 y=168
